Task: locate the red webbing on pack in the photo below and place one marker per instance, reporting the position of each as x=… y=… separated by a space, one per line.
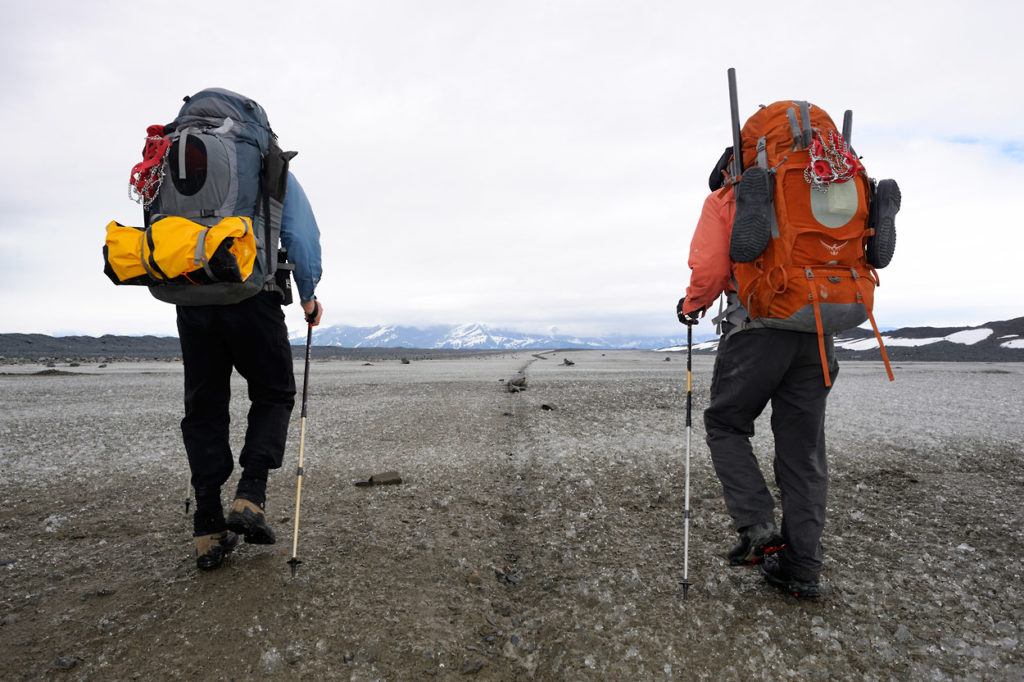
x=881 y=346
x=821 y=331
x=145 y=176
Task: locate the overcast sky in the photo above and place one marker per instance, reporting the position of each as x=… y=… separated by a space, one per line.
x=524 y=164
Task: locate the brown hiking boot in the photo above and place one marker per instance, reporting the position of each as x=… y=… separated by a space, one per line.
x=248 y=520
x=213 y=548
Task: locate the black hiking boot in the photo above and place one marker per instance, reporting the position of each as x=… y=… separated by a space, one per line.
x=754 y=543
x=885 y=204
x=752 y=226
x=248 y=520
x=776 y=576
x=212 y=549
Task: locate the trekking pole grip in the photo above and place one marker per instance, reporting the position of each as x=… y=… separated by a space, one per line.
x=311 y=317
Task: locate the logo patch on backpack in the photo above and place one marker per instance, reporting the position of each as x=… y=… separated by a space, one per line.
x=834 y=249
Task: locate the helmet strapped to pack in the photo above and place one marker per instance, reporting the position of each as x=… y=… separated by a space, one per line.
x=803 y=224
x=214 y=173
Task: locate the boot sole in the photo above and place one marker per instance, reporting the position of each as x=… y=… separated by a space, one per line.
x=882 y=245
x=751 y=228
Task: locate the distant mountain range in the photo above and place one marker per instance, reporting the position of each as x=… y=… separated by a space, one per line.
x=993 y=342
x=471 y=337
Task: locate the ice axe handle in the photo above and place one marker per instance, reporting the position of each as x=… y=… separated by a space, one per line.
x=734 y=111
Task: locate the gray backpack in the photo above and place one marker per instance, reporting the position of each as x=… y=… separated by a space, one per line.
x=221 y=159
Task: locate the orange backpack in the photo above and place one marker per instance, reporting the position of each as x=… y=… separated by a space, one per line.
x=801 y=237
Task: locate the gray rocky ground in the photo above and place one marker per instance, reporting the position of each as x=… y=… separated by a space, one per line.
x=524 y=543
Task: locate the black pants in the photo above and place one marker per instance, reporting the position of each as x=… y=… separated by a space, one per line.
x=251 y=337
x=755 y=367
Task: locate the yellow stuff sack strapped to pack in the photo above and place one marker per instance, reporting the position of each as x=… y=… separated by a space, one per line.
x=179 y=251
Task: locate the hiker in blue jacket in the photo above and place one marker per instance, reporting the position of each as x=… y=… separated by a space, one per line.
x=249 y=336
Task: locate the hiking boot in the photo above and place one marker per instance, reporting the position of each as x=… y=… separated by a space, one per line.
x=213 y=548
x=248 y=520
x=752 y=226
x=754 y=542
x=776 y=576
x=885 y=204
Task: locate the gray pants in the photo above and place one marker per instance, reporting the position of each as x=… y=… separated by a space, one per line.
x=755 y=367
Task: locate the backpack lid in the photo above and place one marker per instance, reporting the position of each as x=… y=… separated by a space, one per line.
x=211 y=106
x=786 y=126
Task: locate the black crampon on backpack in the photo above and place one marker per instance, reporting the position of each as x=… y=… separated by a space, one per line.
x=212 y=184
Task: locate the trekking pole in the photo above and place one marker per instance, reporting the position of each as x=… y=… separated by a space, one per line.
x=294 y=561
x=686 y=498
x=188 y=491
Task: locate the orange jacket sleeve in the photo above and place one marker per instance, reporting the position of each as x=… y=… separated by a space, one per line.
x=710 y=266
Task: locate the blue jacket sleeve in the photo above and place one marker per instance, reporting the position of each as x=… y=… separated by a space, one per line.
x=300 y=235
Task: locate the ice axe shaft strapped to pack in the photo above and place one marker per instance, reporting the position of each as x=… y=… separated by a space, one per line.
x=734 y=110
x=310 y=318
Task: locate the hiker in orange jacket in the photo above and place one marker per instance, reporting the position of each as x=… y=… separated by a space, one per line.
x=754 y=366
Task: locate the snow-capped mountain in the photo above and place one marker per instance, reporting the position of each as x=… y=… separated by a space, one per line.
x=474 y=336
x=993 y=341
x=990 y=342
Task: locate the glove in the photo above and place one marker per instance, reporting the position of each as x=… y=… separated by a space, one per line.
x=313 y=313
x=691 y=318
